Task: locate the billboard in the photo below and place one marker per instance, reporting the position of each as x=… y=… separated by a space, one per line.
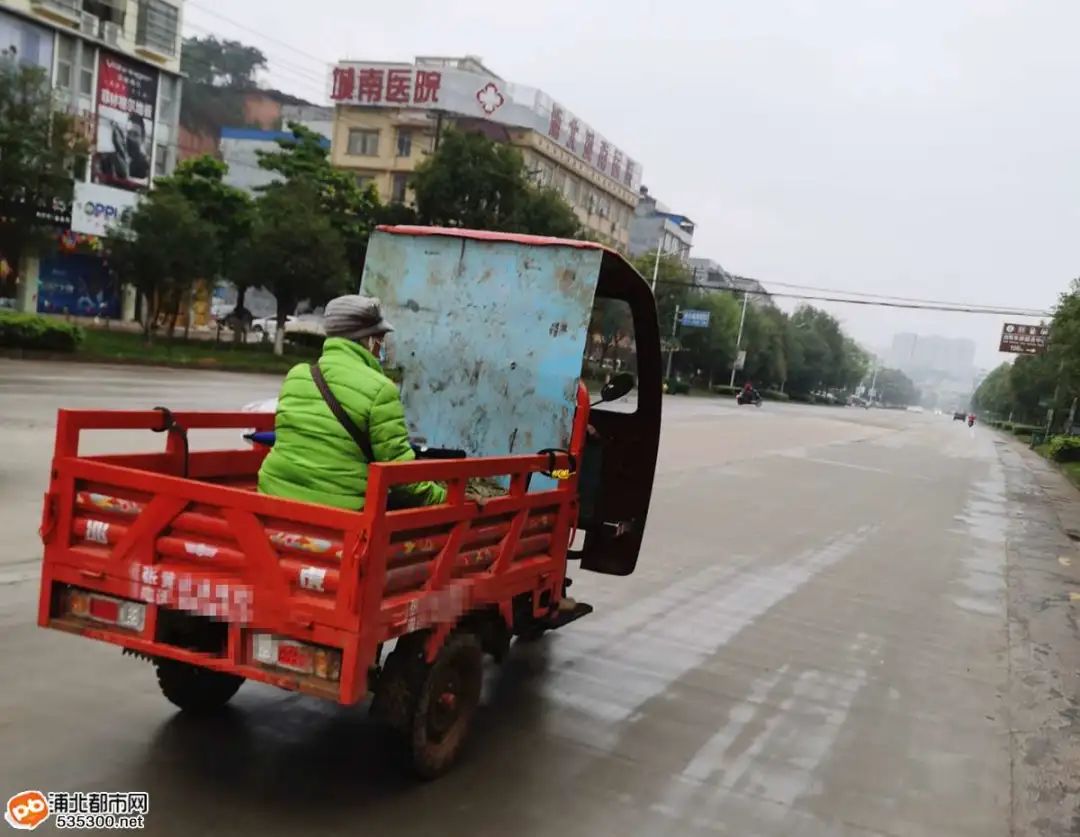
x=126 y=98
x=96 y=208
x=465 y=93
x=1022 y=339
x=77 y=284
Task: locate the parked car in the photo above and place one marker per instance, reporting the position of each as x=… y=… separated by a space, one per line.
x=959 y=415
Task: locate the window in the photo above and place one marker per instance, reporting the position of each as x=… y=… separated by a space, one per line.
x=610 y=346
x=110 y=10
x=65 y=63
x=158 y=26
x=572 y=186
x=363 y=142
x=87 y=56
x=364 y=180
x=404 y=143
x=161 y=160
x=398 y=187
x=167 y=103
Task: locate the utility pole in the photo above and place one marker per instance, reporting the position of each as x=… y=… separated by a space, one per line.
x=738 y=340
x=656 y=268
x=671 y=347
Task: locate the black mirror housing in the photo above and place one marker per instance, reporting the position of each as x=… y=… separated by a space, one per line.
x=617 y=387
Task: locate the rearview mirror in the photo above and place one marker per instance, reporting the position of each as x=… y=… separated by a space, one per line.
x=617 y=387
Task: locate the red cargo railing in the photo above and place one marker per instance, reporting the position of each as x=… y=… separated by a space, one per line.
x=135 y=527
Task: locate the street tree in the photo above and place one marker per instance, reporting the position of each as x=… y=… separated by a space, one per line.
x=40 y=150
x=710 y=349
x=163 y=248
x=201 y=181
x=476 y=183
x=896 y=389
x=294 y=251
x=350 y=210
x=763 y=340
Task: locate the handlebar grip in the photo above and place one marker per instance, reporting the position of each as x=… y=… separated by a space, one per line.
x=423 y=452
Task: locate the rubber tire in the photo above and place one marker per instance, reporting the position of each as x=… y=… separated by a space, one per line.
x=194 y=689
x=433 y=758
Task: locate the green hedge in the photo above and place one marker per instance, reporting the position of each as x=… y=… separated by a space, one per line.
x=1025 y=429
x=775 y=395
x=30 y=331
x=724 y=389
x=1064 y=449
x=673 y=386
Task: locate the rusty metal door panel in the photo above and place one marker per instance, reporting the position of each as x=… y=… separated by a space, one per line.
x=489 y=337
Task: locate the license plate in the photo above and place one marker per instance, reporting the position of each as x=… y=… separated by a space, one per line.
x=294 y=656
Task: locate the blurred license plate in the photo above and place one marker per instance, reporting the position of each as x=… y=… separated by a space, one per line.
x=294 y=656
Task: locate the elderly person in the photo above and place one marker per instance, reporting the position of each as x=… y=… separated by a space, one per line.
x=335 y=417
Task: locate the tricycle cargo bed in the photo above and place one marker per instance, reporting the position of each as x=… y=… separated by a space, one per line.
x=175 y=555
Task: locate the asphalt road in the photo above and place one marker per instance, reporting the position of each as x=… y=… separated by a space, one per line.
x=844 y=623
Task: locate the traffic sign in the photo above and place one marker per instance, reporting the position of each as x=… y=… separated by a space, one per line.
x=740 y=360
x=695 y=318
x=1022 y=339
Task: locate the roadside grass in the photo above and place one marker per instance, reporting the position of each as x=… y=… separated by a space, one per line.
x=1071 y=470
x=128 y=347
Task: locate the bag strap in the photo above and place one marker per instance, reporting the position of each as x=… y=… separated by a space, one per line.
x=339 y=413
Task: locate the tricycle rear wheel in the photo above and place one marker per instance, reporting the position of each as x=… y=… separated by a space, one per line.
x=195 y=689
x=446 y=704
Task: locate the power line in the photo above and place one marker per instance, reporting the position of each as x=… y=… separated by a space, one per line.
x=925 y=306
x=275 y=61
x=263 y=35
x=867 y=294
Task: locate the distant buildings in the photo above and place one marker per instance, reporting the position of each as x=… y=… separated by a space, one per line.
x=710 y=274
x=917 y=354
x=943 y=368
x=655 y=226
x=390 y=115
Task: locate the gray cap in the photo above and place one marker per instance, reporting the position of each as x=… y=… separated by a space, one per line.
x=354 y=316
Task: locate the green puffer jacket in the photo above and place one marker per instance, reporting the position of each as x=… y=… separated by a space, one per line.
x=314 y=458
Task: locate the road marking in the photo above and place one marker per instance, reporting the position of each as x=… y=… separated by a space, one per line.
x=1065 y=562
x=852 y=466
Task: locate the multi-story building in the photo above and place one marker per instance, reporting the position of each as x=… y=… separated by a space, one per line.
x=115 y=66
x=388 y=116
x=919 y=353
x=655 y=227
x=710 y=274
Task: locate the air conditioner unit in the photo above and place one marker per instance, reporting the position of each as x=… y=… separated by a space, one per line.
x=111 y=32
x=89 y=24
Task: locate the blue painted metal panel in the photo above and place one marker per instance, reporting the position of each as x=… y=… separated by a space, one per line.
x=489 y=337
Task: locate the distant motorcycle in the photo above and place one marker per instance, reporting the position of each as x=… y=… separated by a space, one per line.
x=971 y=421
x=743 y=397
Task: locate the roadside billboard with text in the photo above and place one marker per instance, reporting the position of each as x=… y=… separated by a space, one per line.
x=1021 y=339
x=464 y=93
x=126 y=98
x=96 y=208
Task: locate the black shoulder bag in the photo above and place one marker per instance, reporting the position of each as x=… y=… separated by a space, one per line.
x=357 y=434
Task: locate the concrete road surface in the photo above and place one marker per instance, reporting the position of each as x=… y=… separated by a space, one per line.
x=844 y=622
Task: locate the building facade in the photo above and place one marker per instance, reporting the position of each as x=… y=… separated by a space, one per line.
x=114 y=65
x=710 y=274
x=389 y=115
x=654 y=227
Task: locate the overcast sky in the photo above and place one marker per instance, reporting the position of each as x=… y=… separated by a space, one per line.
x=926 y=148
